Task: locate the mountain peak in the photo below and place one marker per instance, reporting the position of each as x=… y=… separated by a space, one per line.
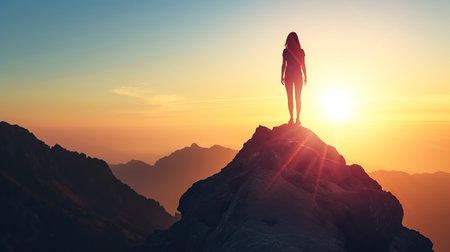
x=172 y=175
x=194 y=145
x=137 y=162
x=287 y=190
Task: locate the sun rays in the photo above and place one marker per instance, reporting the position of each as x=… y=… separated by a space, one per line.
x=318 y=161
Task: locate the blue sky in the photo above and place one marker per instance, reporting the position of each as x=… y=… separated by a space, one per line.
x=72 y=37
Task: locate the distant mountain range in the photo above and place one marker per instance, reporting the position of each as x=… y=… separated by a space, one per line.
x=426 y=202
x=172 y=175
x=52 y=199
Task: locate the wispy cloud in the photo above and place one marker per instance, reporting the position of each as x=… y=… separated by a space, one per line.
x=234 y=99
x=150 y=97
x=153 y=98
x=132 y=91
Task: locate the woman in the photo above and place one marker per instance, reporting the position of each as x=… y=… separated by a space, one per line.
x=291 y=73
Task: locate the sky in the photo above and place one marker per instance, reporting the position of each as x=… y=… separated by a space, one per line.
x=123 y=80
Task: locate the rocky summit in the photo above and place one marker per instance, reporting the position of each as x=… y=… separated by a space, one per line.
x=287 y=190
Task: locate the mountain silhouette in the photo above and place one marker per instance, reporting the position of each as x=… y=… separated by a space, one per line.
x=286 y=190
x=53 y=199
x=426 y=201
x=172 y=175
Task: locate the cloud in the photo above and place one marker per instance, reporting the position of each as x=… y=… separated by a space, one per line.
x=132 y=91
x=234 y=99
x=150 y=97
x=153 y=98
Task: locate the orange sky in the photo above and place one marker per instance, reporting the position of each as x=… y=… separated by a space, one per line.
x=130 y=83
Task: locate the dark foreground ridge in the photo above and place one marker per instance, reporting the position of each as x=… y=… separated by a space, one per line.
x=52 y=199
x=287 y=190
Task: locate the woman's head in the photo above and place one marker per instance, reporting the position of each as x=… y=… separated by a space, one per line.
x=292 y=42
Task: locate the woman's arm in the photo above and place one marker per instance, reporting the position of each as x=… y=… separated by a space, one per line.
x=283 y=67
x=304 y=72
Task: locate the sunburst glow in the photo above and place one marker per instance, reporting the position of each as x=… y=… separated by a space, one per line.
x=337 y=104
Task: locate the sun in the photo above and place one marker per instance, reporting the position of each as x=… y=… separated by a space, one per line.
x=337 y=104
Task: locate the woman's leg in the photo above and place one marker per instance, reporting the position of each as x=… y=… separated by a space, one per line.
x=290 y=90
x=298 y=101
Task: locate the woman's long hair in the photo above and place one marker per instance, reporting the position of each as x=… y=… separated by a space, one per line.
x=293 y=44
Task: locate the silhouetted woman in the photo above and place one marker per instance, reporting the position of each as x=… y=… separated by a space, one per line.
x=291 y=73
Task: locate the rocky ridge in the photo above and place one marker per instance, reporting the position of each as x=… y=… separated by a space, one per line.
x=287 y=190
x=52 y=199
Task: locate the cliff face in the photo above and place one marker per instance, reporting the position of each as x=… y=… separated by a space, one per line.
x=426 y=201
x=287 y=190
x=56 y=200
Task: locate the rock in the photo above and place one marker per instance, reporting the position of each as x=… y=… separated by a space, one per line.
x=52 y=199
x=425 y=199
x=286 y=190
